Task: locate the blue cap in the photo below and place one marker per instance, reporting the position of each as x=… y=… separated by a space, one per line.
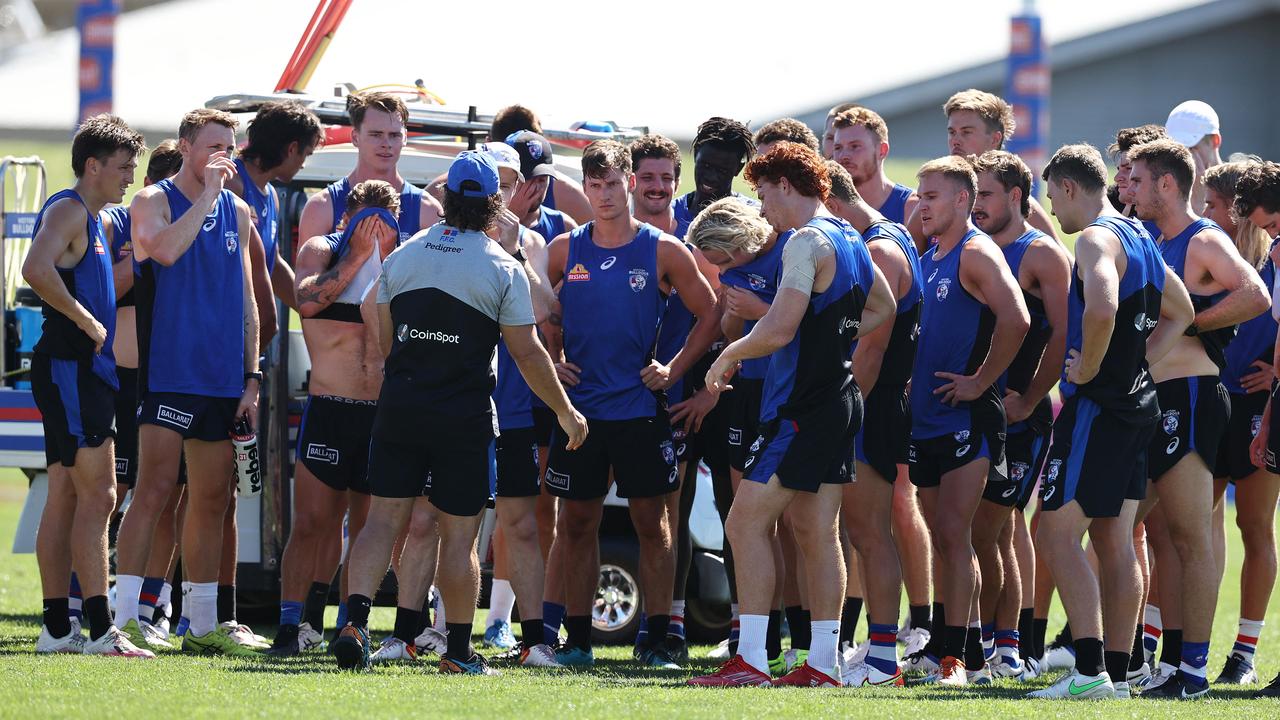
x=475 y=167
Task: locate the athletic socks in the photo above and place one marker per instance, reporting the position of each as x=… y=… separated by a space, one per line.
x=149 y=598
x=317 y=599
x=751 y=641
x=642 y=635
x=937 y=637
x=734 y=629
x=552 y=617
x=343 y=616
x=1195 y=655
x=988 y=640
x=953 y=641
x=1171 y=647
x=1039 y=628
x=200 y=604
x=974 y=657
x=656 y=627
x=56 y=617
x=424 y=615
x=165 y=607
x=919 y=615
x=1008 y=643
x=357 y=611
x=798 y=621
x=226 y=603
x=75 y=600
x=883 y=651
x=128 y=588
x=1151 y=629
x=1117 y=665
x=824 y=645
x=406 y=628
x=501 y=600
x=458 y=640
x=1247 y=639
x=1026 y=632
x=579 y=629
x=849 y=619
x=676 y=628
x=98 y=612
x=773 y=637
x=1137 y=657
x=531 y=632
x=1088 y=656
x=290 y=613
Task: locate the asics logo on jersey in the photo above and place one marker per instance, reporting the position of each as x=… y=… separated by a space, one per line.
x=323 y=453
x=608 y=262
x=671 y=479
x=1009 y=492
x=932 y=275
x=1049 y=490
x=962 y=450
x=405 y=333
x=209 y=222
x=174 y=417
x=1172 y=446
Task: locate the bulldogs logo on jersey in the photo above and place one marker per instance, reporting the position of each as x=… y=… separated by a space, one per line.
x=944 y=289
x=232 y=239
x=756 y=281
x=668 y=452
x=639 y=278
x=1255 y=425
x=1170 y=422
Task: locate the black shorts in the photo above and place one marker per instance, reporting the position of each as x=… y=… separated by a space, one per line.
x=194 y=417
x=333 y=441
x=544 y=424
x=453 y=463
x=1096 y=458
x=810 y=449
x=1024 y=452
x=742 y=419
x=1243 y=426
x=885 y=438
x=1193 y=418
x=639 y=451
x=127 y=427
x=1273 y=434
x=517 y=453
x=77 y=407
x=931 y=458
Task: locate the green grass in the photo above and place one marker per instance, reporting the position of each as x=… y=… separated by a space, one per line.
x=179 y=685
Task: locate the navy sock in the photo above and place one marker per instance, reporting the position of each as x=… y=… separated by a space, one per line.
x=919 y=615
x=1026 y=624
x=290 y=613
x=552 y=617
x=579 y=629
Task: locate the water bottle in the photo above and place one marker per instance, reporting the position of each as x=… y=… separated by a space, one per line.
x=248 y=469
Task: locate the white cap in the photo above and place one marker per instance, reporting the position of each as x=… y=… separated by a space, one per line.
x=1191 y=121
x=504 y=156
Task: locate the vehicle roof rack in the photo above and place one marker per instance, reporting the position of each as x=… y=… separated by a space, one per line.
x=431 y=120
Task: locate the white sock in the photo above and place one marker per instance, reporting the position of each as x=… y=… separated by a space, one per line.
x=1247 y=639
x=501 y=599
x=752 y=630
x=438 y=625
x=128 y=590
x=822 y=648
x=1151 y=616
x=677 y=608
x=166 y=599
x=200 y=603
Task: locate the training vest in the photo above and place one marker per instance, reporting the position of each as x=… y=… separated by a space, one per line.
x=1122 y=385
x=900 y=354
x=121 y=244
x=611 y=302
x=346 y=307
x=91 y=283
x=1174 y=252
x=191 y=314
x=266 y=213
x=1255 y=340
x=1025 y=364
x=760 y=276
x=895 y=206
x=816 y=366
x=410 y=216
x=512 y=396
x=955 y=336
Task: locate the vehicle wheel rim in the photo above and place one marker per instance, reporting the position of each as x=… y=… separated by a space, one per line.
x=617 y=599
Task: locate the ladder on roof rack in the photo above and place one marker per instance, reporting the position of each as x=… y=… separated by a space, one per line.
x=433 y=120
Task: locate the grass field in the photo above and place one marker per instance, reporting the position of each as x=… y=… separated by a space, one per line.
x=311 y=687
